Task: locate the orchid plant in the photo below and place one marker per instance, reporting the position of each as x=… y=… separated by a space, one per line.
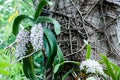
x=37 y=38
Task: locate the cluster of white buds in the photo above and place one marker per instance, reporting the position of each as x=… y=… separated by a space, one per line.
x=22 y=40
x=92 y=66
x=36 y=37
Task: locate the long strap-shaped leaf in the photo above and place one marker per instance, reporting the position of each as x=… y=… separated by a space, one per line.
x=108 y=65
x=17 y=21
x=53 y=46
x=60 y=55
x=58 y=65
x=66 y=75
x=28 y=64
x=46 y=45
x=41 y=5
x=51 y=20
x=88 y=53
x=118 y=75
x=28 y=68
x=115 y=67
x=60 y=60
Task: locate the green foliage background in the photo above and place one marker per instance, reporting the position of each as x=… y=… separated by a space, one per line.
x=9 y=9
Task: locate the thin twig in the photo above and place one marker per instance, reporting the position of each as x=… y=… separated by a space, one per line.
x=60 y=14
x=76 y=51
x=90 y=9
x=105 y=31
x=12 y=44
x=114 y=2
x=83 y=22
x=70 y=36
x=74 y=74
x=25 y=57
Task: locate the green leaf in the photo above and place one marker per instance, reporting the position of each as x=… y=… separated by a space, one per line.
x=28 y=64
x=57 y=27
x=58 y=59
x=41 y=5
x=60 y=55
x=46 y=45
x=118 y=75
x=53 y=46
x=5 y=72
x=4 y=64
x=28 y=68
x=58 y=65
x=115 y=67
x=17 y=21
x=88 y=54
x=108 y=66
x=66 y=75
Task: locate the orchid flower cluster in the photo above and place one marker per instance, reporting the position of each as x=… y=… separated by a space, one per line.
x=24 y=37
x=92 y=67
x=36 y=37
x=22 y=40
